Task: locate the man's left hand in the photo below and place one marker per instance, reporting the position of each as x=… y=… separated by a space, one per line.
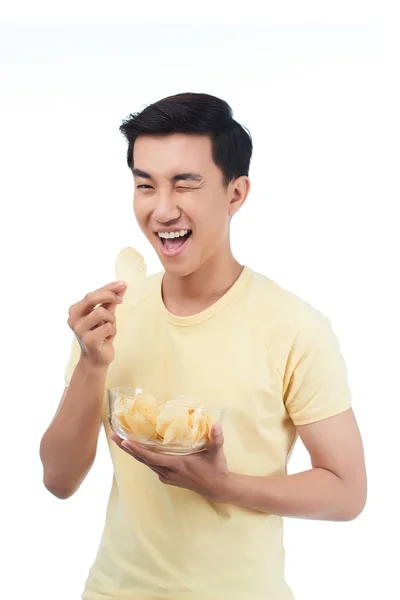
x=205 y=472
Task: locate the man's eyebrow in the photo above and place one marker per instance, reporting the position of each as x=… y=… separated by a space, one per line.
x=186 y=176
x=140 y=173
x=179 y=177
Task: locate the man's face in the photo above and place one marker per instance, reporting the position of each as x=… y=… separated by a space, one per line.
x=178 y=188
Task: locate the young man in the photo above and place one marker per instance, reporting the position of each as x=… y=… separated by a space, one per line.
x=206 y=526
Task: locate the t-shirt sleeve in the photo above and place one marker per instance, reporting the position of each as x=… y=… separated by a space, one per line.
x=315 y=383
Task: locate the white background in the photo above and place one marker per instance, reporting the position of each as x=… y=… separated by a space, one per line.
x=319 y=221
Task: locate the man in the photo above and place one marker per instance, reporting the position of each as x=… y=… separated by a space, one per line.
x=206 y=526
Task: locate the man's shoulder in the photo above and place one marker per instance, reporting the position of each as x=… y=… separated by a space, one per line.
x=281 y=305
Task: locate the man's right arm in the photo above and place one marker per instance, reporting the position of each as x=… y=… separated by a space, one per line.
x=68 y=447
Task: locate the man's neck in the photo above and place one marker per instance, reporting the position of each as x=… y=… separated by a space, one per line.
x=194 y=293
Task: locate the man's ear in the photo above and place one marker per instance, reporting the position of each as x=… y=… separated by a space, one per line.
x=239 y=190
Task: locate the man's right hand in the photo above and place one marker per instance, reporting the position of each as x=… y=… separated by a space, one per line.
x=92 y=319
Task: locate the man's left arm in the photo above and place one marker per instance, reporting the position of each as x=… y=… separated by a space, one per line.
x=335 y=489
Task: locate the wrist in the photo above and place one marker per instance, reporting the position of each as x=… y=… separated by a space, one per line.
x=227 y=486
x=86 y=367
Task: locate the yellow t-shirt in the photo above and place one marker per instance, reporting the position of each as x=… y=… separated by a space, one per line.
x=275 y=362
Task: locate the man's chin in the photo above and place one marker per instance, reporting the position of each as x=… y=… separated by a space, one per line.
x=177 y=270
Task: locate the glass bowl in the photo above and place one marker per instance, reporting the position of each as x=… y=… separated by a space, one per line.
x=181 y=425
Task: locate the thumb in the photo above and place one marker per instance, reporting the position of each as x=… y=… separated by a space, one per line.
x=217 y=437
x=120 y=291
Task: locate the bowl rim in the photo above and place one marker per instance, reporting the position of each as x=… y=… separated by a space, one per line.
x=208 y=404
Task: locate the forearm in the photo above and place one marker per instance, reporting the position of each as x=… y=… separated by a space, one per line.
x=313 y=494
x=68 y=447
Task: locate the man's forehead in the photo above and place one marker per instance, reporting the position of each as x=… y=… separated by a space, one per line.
x=171 y=155
x=186 y=148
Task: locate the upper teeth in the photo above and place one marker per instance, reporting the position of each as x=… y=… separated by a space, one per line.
x=172 y=234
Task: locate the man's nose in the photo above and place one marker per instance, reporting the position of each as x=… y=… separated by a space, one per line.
x=166 y=209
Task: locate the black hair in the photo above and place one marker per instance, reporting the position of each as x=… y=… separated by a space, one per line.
x=199 y=114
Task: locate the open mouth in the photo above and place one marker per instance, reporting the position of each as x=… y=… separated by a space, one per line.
x=171 y=245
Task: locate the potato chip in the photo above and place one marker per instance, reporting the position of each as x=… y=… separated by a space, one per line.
x=194 y=416
x=120 y=420
x=130 y=265
x=209 y=425
x=119 y=404
x=152 y=412
x=141 y=427
x=173 y=402
x=147 y=405
x=131 y=268
x=179 y=432
x=194 y=431
x=128 y=406
x=170 y=413
x=200 y=429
